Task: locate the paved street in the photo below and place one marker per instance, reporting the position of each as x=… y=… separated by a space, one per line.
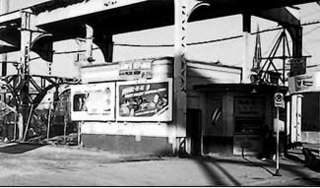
x=36 y=165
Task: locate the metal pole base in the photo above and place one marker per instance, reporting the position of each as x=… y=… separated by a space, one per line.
x=277 y=173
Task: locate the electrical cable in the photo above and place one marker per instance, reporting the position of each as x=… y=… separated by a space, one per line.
x=192 y=43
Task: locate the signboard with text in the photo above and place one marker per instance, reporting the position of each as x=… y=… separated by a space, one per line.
x=249 y=107
x=133 y=70
x=93 y=102
x=297 y=66
x=305 y=83
x=144 y=101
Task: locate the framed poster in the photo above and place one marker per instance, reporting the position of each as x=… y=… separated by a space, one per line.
x=93 y=102
x=150 y=100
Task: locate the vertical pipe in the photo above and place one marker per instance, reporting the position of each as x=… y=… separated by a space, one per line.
x=28 y=122
x=20 y=126
x=79 y=133
x=298 y=117
x=277 y=147
x=283 y=57
x=293 y=123
x=49 y=122
x=64 y=129
x=15 y=127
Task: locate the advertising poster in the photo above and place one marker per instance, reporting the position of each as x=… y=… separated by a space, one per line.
x=147 y=101
x=93 y=102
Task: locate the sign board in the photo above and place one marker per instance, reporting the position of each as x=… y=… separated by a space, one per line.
x=305 y=83
x=133 y=70
x=93 y=102
x=249 y=107
x=144 y=101
x=297 y=66
x=279 y=100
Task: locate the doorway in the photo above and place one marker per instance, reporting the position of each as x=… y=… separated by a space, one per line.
x=194 y=130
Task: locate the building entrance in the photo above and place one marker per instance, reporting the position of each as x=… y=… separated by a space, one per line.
x=194 y=130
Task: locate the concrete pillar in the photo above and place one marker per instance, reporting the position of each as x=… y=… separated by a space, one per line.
x=246 y=24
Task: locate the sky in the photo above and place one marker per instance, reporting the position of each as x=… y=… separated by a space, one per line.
x=228 y=52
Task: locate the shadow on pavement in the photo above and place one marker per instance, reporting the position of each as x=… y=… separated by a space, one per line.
x=18 y=148
x=220 y=176
x=294 y=157
x=215 y=172
x=259 y=165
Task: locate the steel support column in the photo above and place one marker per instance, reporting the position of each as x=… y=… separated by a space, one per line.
x=89 y=43
x=23 y=68
x=246 y=24
x=182 y=11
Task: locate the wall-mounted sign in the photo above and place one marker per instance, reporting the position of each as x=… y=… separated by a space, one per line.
x=147 y=101
x=249 y=107
x=133 y=70
x=305 y=83
x=297 y=66
x=93 y=102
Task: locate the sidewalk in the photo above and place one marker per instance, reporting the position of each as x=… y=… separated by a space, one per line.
x=39 y=165
x=250 y=171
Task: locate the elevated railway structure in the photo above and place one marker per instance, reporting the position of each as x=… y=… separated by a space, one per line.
x=40 y=23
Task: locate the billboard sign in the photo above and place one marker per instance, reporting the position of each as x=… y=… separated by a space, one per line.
x=93 y=102
x=144 y=101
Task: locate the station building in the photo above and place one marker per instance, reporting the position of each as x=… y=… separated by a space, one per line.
x=132 y=110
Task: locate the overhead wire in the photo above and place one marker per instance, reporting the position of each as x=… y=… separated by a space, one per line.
x=191 y=43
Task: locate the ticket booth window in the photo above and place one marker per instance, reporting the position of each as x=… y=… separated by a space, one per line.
x=249 y=115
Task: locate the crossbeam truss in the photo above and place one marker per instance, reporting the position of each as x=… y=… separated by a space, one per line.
x=39 y=85
x=271 y=72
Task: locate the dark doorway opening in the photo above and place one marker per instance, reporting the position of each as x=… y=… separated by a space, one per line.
x=194 y=130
